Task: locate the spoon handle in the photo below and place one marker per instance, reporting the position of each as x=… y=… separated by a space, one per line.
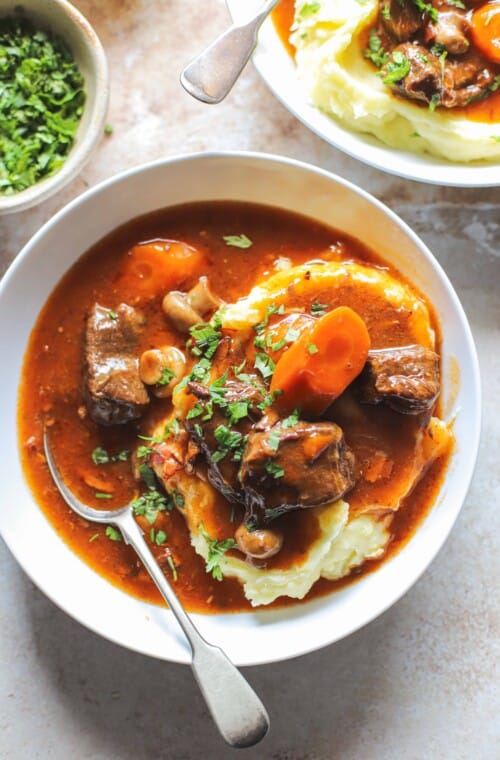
x=235 y=708
x=212 y=74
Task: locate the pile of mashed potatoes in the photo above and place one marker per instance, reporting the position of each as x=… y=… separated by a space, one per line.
x=329 y=37
x=345 y=540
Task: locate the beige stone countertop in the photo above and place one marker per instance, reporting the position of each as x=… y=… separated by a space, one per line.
x=418 y=683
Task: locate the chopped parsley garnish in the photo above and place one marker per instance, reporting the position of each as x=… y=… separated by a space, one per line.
x=265 y=365
x=292 y=335
x=216 y=551
x=318 y=309
x=270 y=310
x=171 y=564
x=238 y=410
x=166 y=376
x=100 y=456
x=108 y=130
x=112 y=315
x=274 y=469
x=113 y=534
x=386 y=13
x=238 y=241
x=157 y=537
x=427 y=8
x=375 y=53
x=307 y=10
x=269 y=399
x=292 y=419
x=312 y=348
x=273 y=440
x=150 y=503
x=230 y=441
x=143 y=451
x=493 y=87
x=177 y=498
x=456 y=4
x=397 y=68
x=41 y=103
x=205 y=339
x=102 y=495
x=434 y=101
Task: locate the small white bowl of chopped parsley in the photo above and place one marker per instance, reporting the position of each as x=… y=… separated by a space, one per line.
x=53 y=98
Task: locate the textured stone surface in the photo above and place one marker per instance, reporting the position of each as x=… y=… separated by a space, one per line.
x=419 y=683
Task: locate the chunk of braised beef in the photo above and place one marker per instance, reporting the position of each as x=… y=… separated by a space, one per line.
x=450 y=31
x=424 y=78
x=466 y=79
x=451 y=83
x=286 y=468
x=400 y=18
x=114 y=392
x=405 y=379
x=213 y=426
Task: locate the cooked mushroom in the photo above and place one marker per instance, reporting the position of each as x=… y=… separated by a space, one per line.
x=162 y=368
x=187 y=309
x=201 y=298
x=259 y=543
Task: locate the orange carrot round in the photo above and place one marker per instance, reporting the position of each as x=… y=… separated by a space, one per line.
x=485 y=30
x=322 y=363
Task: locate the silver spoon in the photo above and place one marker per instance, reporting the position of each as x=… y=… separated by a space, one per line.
x=212 y=74
x=236 y=709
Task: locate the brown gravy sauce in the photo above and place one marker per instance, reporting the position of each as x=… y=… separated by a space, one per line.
x=51 y=393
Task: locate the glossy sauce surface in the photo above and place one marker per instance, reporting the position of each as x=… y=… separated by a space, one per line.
x=51 y=393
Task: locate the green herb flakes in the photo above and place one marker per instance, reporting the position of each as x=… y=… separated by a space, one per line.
x=41 y=103
x=100 y=456
x=274 y=469
x=318 y=309
x=166 y=376
x=312 y=348
x=101 y=495
x=238 y=241
x=216 y=551
x=375 y=53
x=397 y=68
x=113 y=534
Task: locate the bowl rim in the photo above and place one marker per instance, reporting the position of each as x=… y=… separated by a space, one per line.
x=276 y=69
x=82 y=150
x=301 y=609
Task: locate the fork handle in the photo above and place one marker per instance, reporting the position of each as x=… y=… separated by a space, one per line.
x=236 y=709
x=212 y=74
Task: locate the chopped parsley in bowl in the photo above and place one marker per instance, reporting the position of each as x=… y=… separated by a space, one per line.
x=53 y=98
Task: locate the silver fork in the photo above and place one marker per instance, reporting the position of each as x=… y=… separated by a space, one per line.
x=236 y=709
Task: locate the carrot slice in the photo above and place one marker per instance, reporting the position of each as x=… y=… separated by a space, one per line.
x=322 y=363
x=485 y=30
x=159 y=266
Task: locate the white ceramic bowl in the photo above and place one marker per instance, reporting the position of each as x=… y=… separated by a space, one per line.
x=64 y=20
x=277 y=69
x=264 y=635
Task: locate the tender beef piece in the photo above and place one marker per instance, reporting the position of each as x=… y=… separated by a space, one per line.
x=310 y=466
x=405 y=379
x=455 y=82
x=400 y=18
x=114 y=393
x=424 y=78
x=223 y=474
x=450 y=31
x=466 y=79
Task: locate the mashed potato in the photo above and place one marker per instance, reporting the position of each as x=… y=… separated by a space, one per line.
x=342 y=83
x=345 y=540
